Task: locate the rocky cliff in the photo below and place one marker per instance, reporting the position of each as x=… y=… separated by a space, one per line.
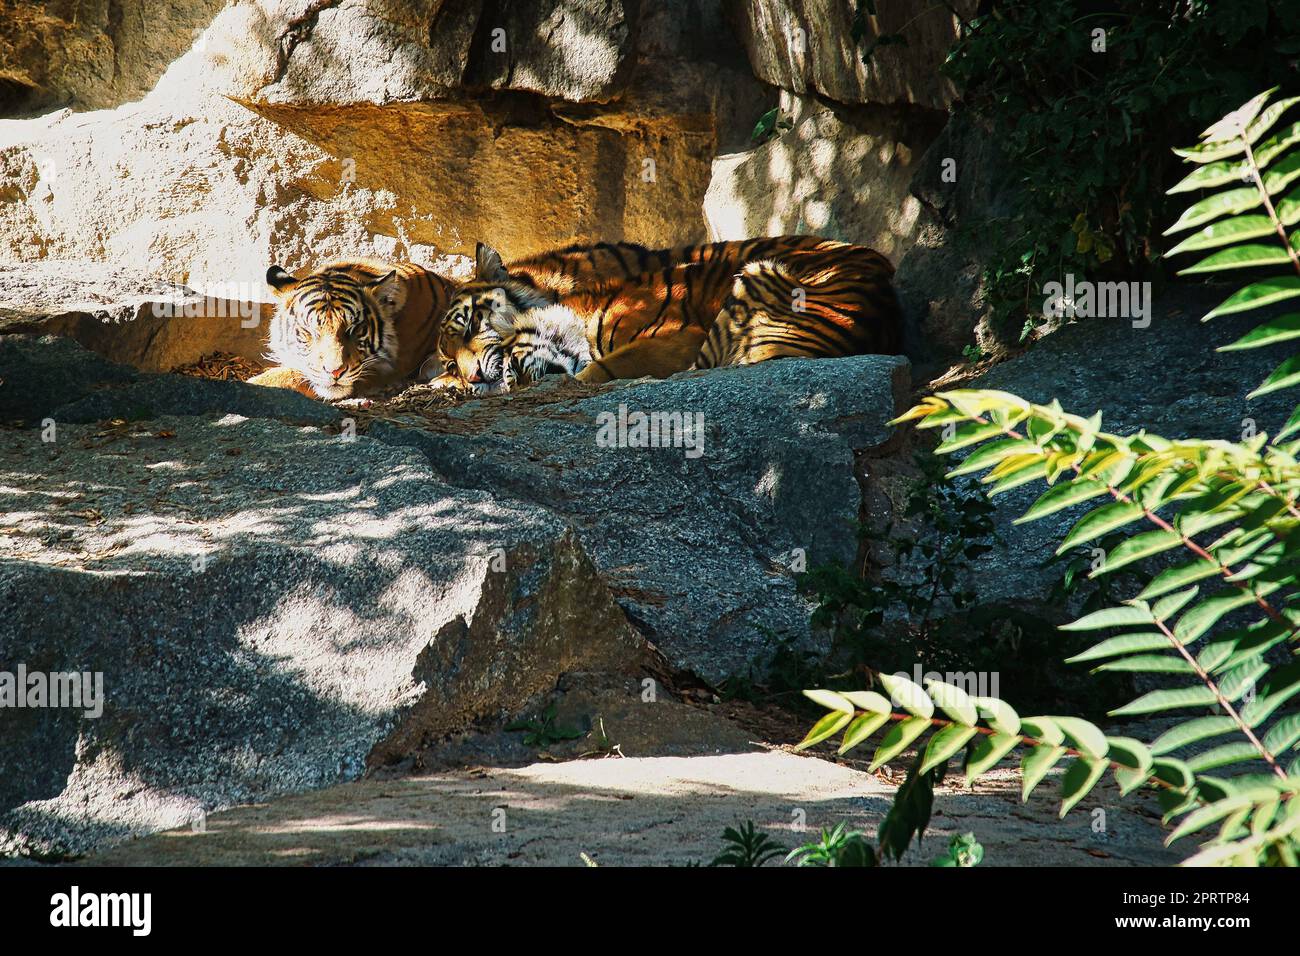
x=205 y=144
x=279 y=593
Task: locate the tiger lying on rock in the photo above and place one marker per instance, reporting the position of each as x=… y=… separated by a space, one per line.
x=698 y=307
x=599 y=312
x=357 y=325
x=351 y=327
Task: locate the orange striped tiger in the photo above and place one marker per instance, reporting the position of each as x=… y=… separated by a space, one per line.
x=350 y=327
x=727 y=303
x=356 y=325
x=578 y=267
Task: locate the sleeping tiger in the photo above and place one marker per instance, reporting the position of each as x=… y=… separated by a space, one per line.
x=727 y=303
x=352 y=326
x=356 y=325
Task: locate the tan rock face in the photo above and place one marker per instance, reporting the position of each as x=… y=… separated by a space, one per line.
x=842 y=173
x=327 y=52
x=805 y=46
x=126 y=315
x=91 y=53
x=481 y=171
x=294 y=132
x=198 y=192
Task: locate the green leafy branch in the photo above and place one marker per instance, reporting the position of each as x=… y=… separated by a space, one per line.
x=859 y=714
x=1267 y=807
x=1231 y=152
x=1202 y=486
x=1231 y=507
x=1210 y=483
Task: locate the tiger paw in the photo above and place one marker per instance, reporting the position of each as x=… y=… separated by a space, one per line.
x=448 y=382
x=280 y=377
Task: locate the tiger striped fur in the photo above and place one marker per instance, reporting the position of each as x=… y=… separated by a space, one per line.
x=350 y=327
x=728 y=303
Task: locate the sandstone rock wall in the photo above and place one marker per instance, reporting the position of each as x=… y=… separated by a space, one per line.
x=807 y=46
x=839 y=171
x=91 y=54
x=295 y=132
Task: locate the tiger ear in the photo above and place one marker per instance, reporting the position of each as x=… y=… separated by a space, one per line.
x=388 y=290
x=488 y=266
x=279 y=280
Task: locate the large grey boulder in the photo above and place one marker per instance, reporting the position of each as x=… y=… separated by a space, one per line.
x=1166 y=378
x=276 y=603
x=269 y=607
x=700 y=543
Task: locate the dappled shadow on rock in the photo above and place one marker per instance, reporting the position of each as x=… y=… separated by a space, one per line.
x=258 y=598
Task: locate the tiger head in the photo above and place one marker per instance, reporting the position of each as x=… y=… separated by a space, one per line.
x=480 y=326
x=336 y=326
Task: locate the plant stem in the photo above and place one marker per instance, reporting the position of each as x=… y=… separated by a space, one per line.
x=1164 y=525
x=1224 y=570
x=1223 y=701
x=1268 y=206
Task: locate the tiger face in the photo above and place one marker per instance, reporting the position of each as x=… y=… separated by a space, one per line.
x=336 y=329
x=479 y=331
x=472 y=349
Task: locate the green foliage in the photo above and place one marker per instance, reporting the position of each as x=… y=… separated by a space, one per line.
x=1247 y=225
x=769 y=124
x=746 y=846
x=921 y=612
x=839 y=847
x=1210 y=624
x=983 y=729
x=541 y=730
x=907 y=818
x=909 y=814
x=868 y=44
x=1087 y=133
x=1231 y=508
x=1076 y=565
x=963 y=850
x=923 y=588
x=1259 y=814
x=789 y=669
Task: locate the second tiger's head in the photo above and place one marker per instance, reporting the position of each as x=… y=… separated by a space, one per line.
x=336 y=328
x=479 y=326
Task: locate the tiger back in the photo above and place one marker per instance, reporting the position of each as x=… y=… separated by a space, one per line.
x=741 y=302
x=824 y=301
x=577 y=267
